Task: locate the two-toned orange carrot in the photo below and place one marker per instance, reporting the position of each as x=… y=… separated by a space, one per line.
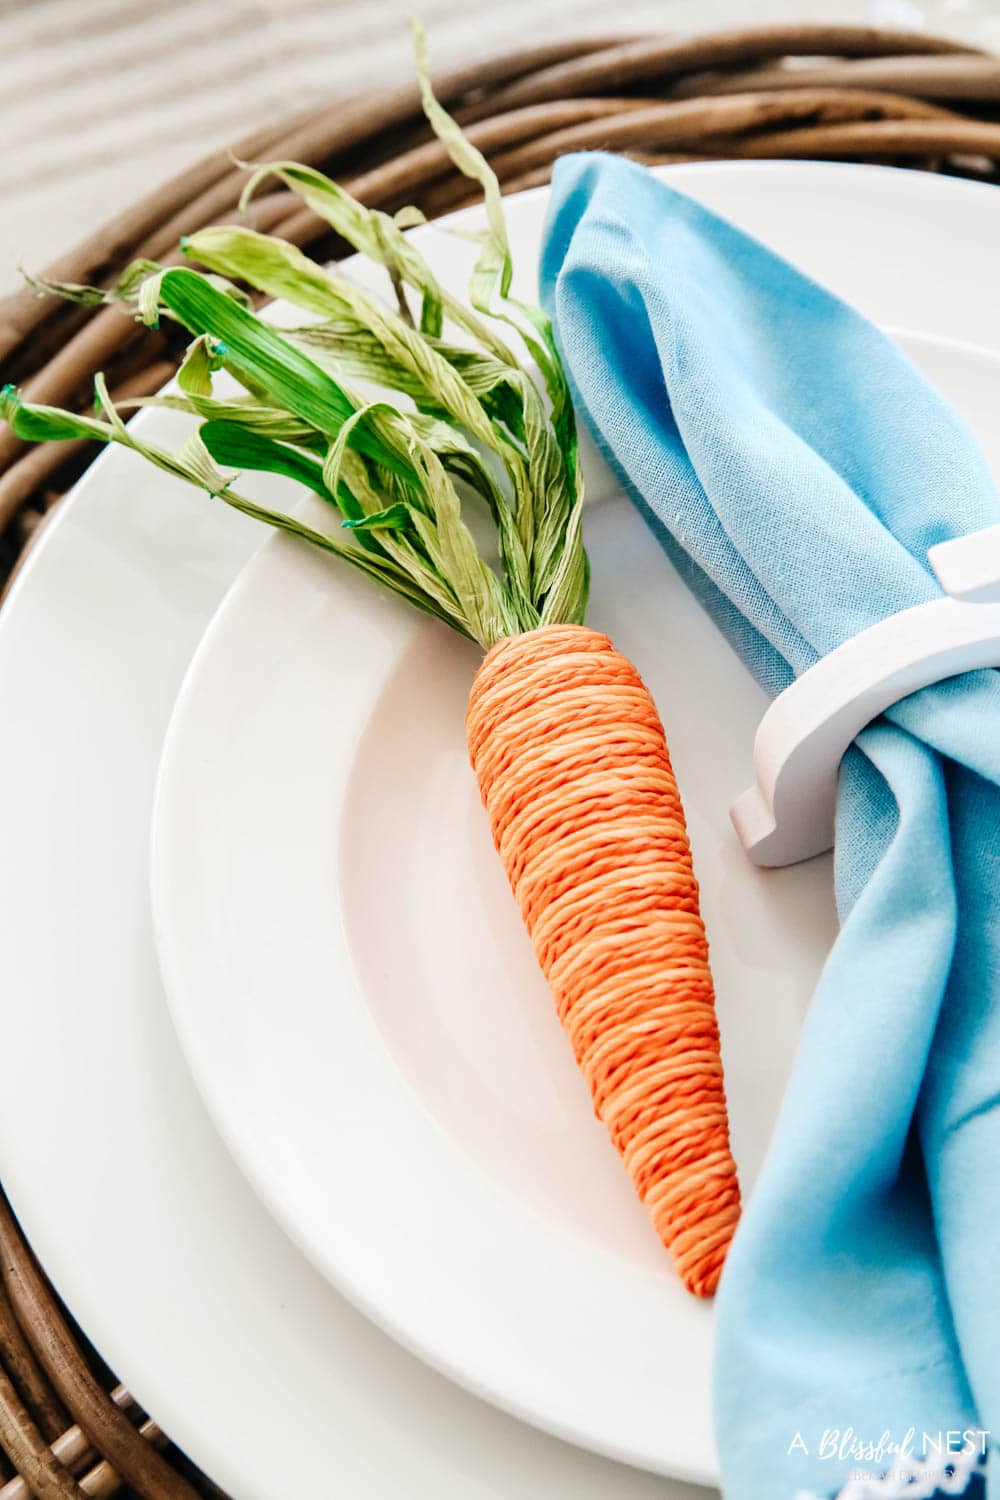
x=573 y=767
x=564 y=738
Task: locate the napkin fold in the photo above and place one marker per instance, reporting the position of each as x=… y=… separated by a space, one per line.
x=796 y=468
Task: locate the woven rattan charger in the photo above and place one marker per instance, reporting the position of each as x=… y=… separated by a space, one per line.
x=848 y=93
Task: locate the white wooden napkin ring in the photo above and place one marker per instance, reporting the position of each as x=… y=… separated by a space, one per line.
x=788 y=814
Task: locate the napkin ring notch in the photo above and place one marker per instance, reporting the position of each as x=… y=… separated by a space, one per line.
x=788 y=814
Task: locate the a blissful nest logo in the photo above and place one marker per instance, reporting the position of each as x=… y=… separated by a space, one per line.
x=941 y=1460
x=846 y=1445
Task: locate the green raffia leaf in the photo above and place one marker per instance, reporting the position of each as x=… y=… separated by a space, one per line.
x=494 y=268
x=269 y=421
x=200 y=362
x=282 y=270
x=409 y=360
x=473 y=429
x=195 y=380
x=252 y=348
x=380 y=238
x=237 y=447
x=345 y=345
x=46 y=424
x=123 y=289
x=392 y=518
x=492 y=276
x=271 y=265
x=489 y=293
x=192 y=463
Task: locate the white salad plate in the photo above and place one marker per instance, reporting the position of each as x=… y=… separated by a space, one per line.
x=253 y=1362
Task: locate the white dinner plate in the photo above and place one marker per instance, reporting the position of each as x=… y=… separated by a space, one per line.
x=259 y=1369
x=359 y=1002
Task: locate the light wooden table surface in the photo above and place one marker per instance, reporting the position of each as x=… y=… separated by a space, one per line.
x=102 y=99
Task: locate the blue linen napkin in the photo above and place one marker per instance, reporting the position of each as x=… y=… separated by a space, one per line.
x=796 y=467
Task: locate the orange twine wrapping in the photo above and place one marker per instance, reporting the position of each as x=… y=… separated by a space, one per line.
x=573 y=767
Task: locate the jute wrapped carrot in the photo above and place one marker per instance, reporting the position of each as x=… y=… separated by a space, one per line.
x=564 y=738
x=573 y=767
